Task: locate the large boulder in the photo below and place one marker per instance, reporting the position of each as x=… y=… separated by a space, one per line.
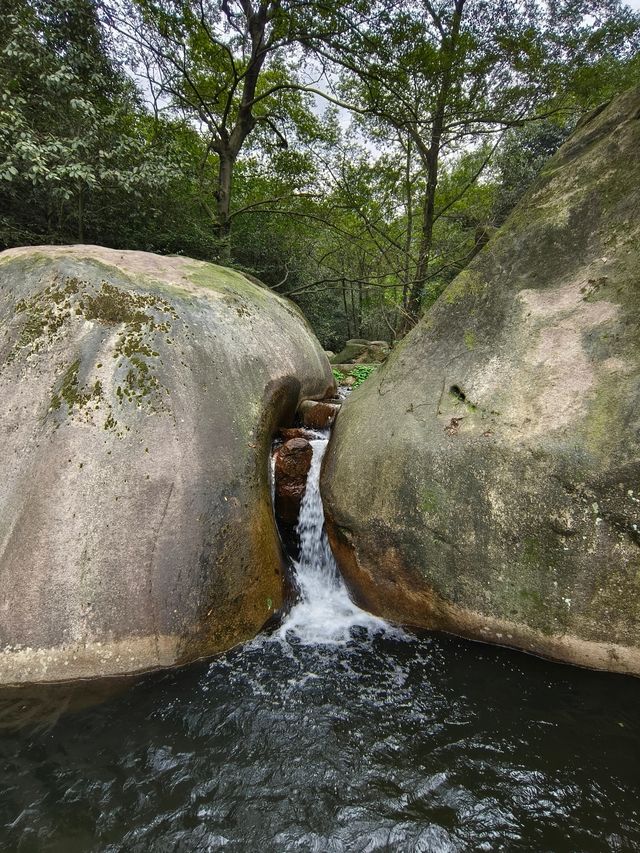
x=486 y=480
x=139 y=398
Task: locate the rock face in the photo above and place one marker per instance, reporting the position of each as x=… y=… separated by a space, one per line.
x=292 y=463
x=360 y=351
x=139 y=398
x=503 y=434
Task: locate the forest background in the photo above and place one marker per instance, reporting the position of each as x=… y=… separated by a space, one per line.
x=354 y=156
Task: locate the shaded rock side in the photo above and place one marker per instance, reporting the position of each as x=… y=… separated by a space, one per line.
x=486 y=480
x=139 y=398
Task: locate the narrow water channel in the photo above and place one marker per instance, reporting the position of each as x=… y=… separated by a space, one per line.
x=337 y=732
x=324 y=611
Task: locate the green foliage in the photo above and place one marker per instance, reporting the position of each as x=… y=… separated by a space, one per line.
x=359 y=372
x=362 y=372
x=432 y=82
x=79 y=157
x=337 y=217
x=521 y=157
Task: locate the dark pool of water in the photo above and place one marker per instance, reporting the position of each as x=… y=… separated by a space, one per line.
x=390 y=744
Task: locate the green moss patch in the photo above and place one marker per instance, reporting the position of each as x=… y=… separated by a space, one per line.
x=141 y=318
x=431 y=500
x=72 y=395
x=44 y=315
x=225 y=281
x=602 y=425
x=469 y=338
x=113 y=305
x=467 y=283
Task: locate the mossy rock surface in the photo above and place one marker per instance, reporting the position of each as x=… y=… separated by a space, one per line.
x=486 y=479
x=359 y=351
x=140 y=394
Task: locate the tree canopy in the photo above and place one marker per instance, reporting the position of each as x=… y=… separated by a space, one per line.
x=355 y=156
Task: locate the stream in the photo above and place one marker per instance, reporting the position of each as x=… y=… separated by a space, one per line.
x=336 y=732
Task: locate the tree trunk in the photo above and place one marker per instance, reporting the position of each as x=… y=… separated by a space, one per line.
x=223 y=198
x=354 y=313
x=230 y=143
x=448 y=50
x=346 y=307
x=409 y=236
x=426 y=237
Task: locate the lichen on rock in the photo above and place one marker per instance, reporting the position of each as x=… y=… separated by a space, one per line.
x=136 y=527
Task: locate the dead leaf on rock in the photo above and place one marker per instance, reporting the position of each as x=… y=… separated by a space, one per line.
x=453 y=427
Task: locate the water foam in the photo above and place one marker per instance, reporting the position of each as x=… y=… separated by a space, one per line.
x=324 y=612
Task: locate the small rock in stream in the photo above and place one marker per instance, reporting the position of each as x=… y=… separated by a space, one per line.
x=318 y=415
x=287 y=433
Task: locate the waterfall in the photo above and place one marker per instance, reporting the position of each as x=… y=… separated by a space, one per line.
x=324 y=611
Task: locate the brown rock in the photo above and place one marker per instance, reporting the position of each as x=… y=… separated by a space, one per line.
x=293 y=460
x=318 y=415
x=294 y=432
x=360 y=351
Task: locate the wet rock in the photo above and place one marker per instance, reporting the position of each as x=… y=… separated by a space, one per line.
x=485 y=480
x=139 y=398
x=294 y=432
x=292 y=463
x=318 y=415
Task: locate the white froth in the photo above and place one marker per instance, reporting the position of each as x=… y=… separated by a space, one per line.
x=324 y=612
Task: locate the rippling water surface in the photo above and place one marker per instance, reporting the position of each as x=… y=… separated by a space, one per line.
x=336 y=733
x=380 y=744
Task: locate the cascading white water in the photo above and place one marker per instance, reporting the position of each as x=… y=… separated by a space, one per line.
x=324 y=612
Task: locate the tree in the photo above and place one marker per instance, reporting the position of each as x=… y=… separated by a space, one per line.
x=71 y=138
x=225 y=66
x=445 y=75
x=363 y=227
x=522 y=155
